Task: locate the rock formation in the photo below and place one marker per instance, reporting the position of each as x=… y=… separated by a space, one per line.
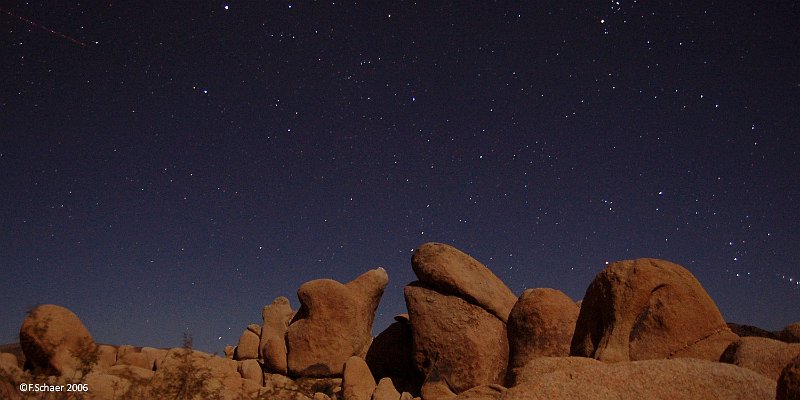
x=457 y=304
x=357 y=380
x=391 y=355
x=555 y=378
x=460 y=340
x=272 y=345
x=541 y=324
x=333 y=323
x=648 y=309
x=464 y=342
x=54 y=340
x=789 y=381
x=385 y=390
x=765 y=356
x=450 y=271
x=247 y=349
x=790 y=334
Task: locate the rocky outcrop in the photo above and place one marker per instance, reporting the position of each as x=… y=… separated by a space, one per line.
x=247 y=349
x=765 y=356
x=457 y=345
x=272 y=345
x=333 y=323
x=390 y=355
x=789 y=382
x=790 y=334
x=55 y=341
x=648 y=309
x=676 y=379
x=450 y=271
x=385 y=390
x=106 y=355
x=541 y=324
x=357 y=380
x=251 y=369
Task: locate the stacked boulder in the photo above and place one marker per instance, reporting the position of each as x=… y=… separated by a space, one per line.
x=458 y=310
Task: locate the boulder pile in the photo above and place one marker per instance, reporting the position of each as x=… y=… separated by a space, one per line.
x=645 y=328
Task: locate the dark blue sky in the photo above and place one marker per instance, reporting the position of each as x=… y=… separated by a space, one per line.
x=174 y=167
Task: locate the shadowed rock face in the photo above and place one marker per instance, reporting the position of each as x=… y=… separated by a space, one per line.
x=457 y=345
x=647 y=309
x=390 y=355
x=333 y=323
x=791 y=333
x=451 y=271
x=541 y=324
x=789 y=382
x=53 y=339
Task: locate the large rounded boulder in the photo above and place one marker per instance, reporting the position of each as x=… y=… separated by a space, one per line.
x=648 y=309
x=450 y=271
x=55 y=341
x=541 y=324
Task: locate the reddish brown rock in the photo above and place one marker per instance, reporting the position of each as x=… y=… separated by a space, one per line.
x=789 y=382
x=675 y=379
x=54 y=340
x=448 y=270
x=790 y=334
x=247 y=349
x=648 y=309
x=385 y=390
x=129 y=355
x=272 y=347
x=765 y=356
x=357 y=380
x=106 y=356
x=390 y=355
x=541 y=324
x=251 y=369
x=488 y=392
x=457 y=345
x=333 y=323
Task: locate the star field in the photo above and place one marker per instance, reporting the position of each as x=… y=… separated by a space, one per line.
x=170 y=168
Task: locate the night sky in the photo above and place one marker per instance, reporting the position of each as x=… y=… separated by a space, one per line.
x=173 y=167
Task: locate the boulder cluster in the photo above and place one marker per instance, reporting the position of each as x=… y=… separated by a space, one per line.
x=645 y=328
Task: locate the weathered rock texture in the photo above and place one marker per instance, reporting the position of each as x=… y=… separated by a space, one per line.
x=460 y=342
x=676 y=379
x=357 y=380
x=648 y=309
x=789 y=382
x=765 y=356
x=333 y=323
x=541 y=324
x=272 y=346
x=54 y=340
x=450 y=271
x=247 y=349
x=385 y=390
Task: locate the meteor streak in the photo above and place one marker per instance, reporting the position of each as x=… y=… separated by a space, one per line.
x=44 y=28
